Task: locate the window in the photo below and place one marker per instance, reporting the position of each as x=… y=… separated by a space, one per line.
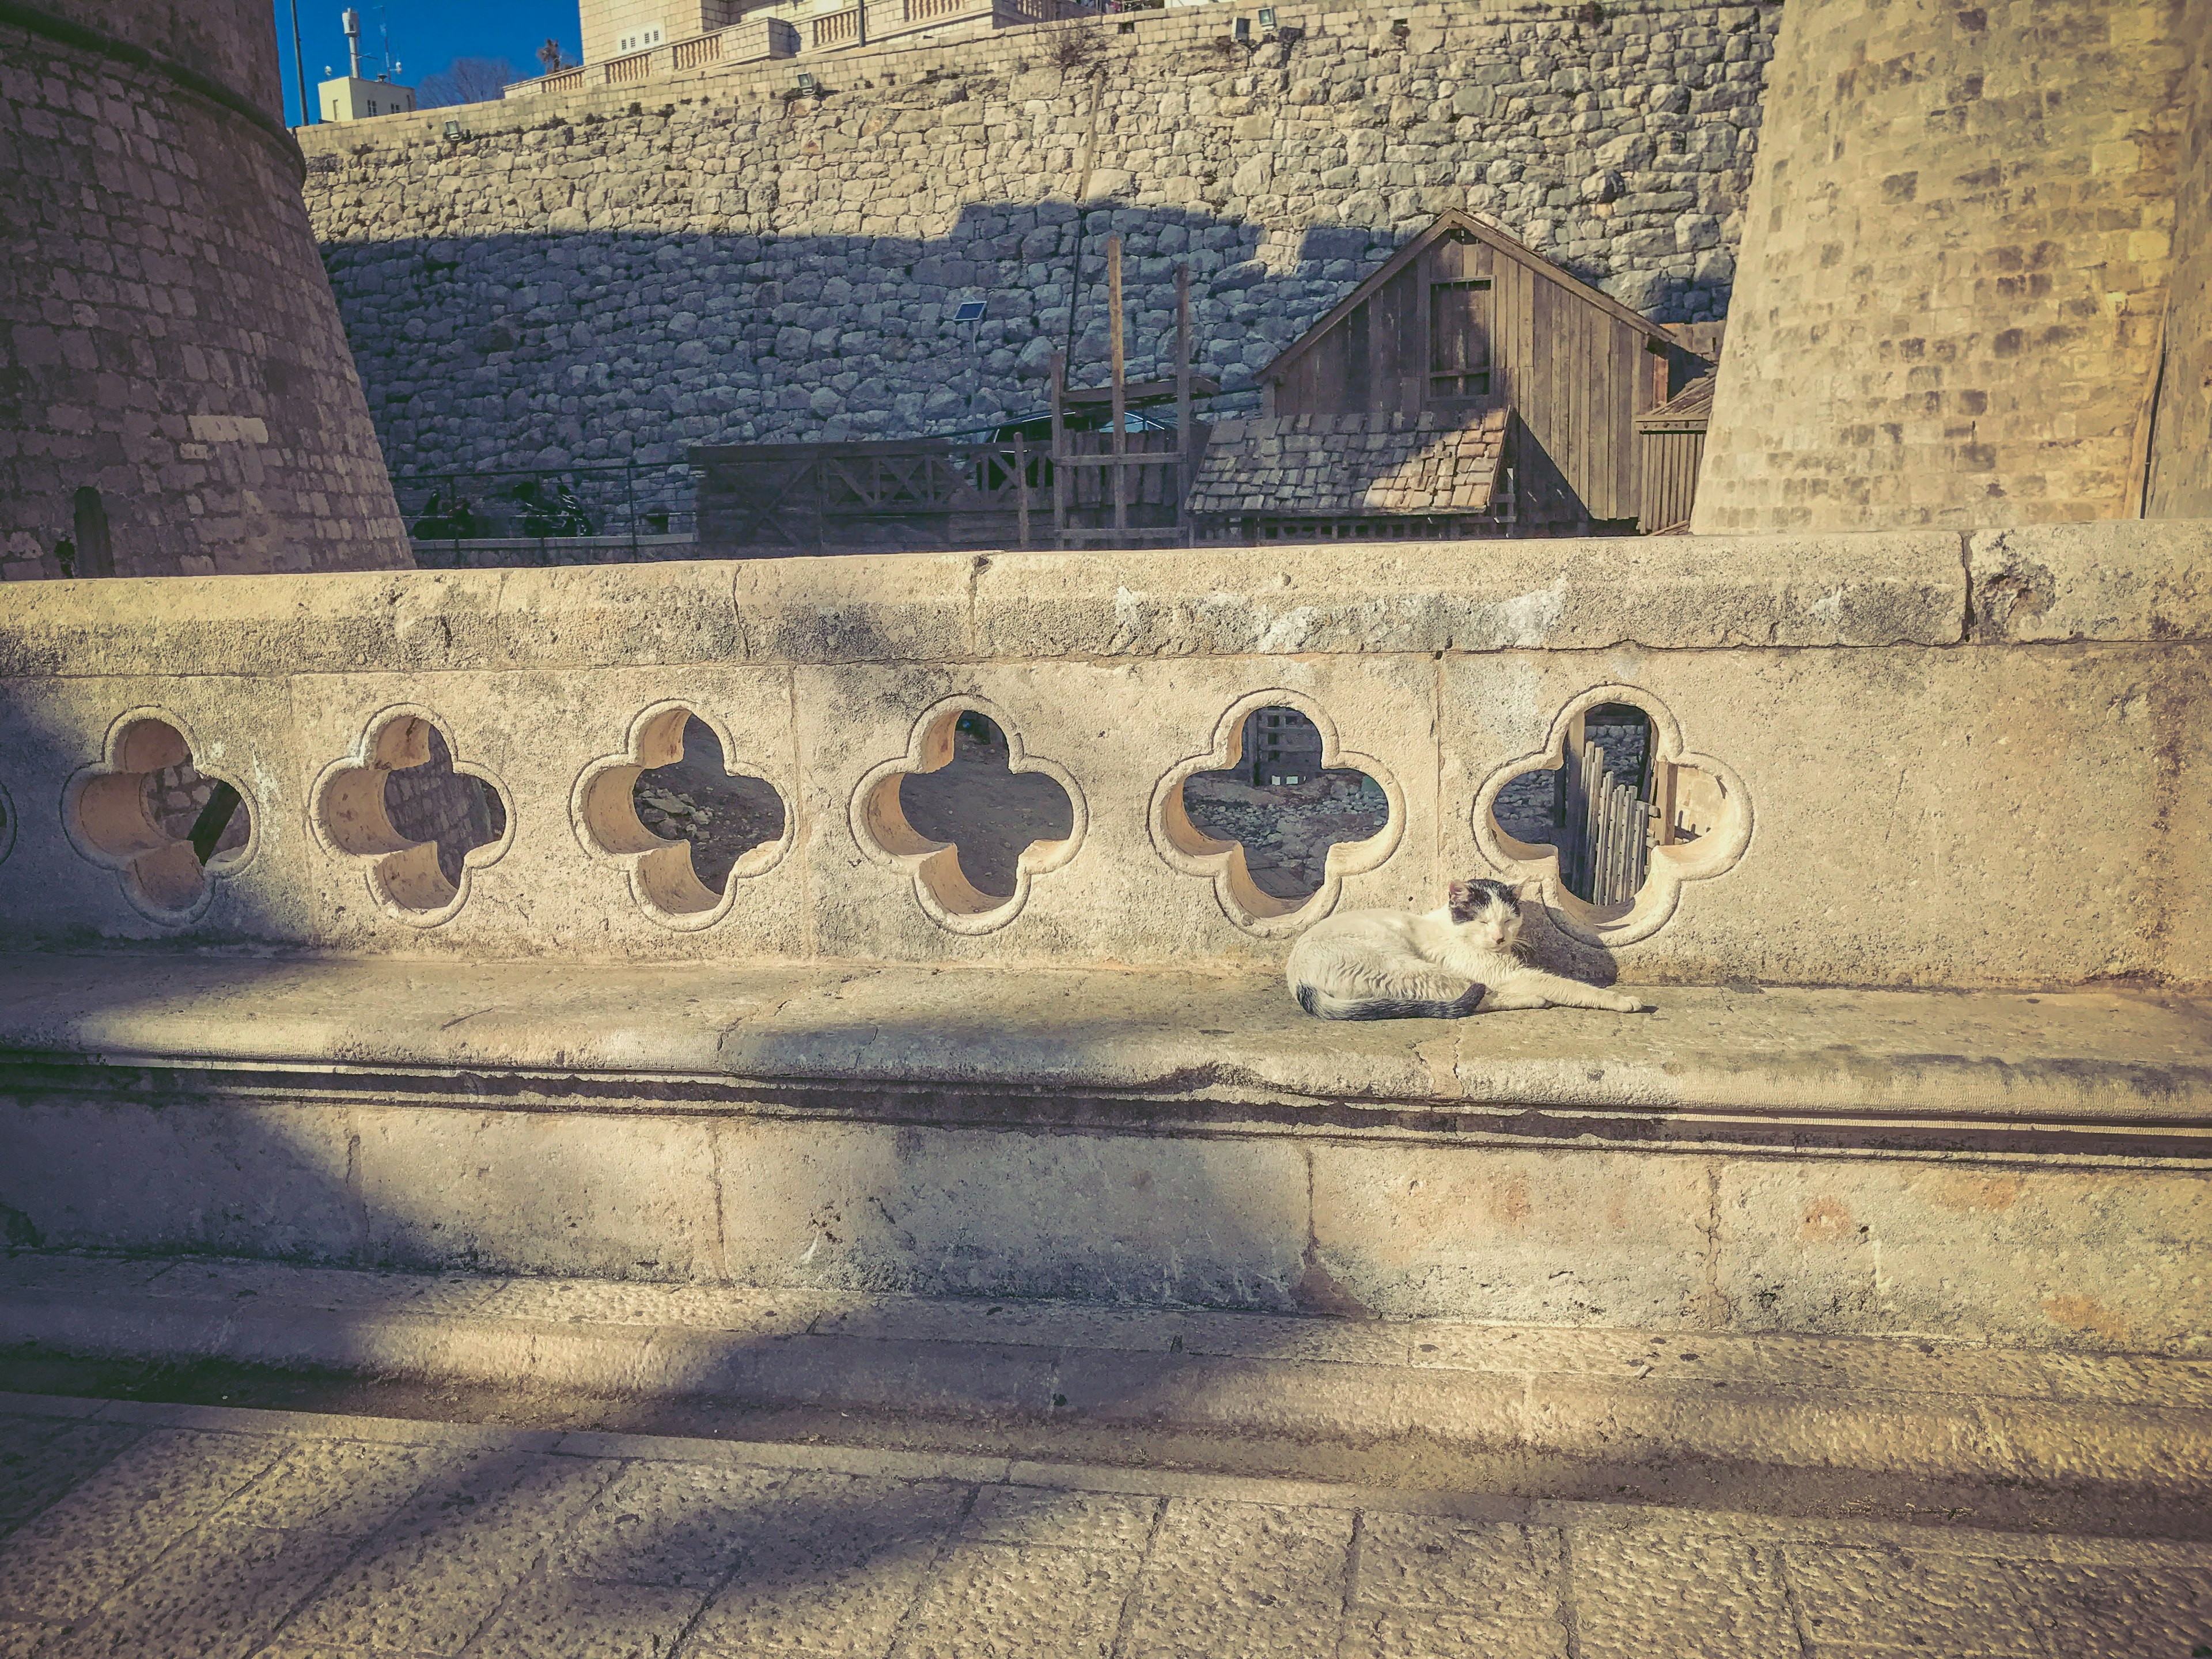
x=1459 y=339
x=372 y=106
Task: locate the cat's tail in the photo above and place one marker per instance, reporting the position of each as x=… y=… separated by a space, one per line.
x=1321 y=1005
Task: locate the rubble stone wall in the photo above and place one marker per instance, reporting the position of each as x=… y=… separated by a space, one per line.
x=613 y=275
x=167 y=339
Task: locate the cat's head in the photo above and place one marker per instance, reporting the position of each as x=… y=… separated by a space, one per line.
x=1490 y=910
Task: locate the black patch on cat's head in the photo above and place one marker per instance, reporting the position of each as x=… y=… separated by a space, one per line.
x=1469 y=899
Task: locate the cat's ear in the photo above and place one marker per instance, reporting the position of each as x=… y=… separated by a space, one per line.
x=1462 y=899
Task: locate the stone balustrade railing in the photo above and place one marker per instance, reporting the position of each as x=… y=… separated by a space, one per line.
x=1929 y=762
x=762 y=39
x=756 y=40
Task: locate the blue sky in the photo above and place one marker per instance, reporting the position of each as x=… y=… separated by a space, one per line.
x=426 y=35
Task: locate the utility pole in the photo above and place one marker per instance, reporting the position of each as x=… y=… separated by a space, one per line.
x=299 y=71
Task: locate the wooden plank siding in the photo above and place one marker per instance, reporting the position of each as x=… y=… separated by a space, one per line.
x=1574 y=365
x=1670 y=476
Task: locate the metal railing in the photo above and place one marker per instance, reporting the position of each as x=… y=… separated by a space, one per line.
x=553 y=515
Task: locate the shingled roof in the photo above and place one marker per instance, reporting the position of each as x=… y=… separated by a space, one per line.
x=1687 y=411
x=1353 y=465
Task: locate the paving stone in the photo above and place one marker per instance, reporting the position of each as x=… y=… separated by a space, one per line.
x=1424 y=1561
x=40 y=1457
x=1068 y=1520
x=507 y=1550
x=347 y=1487
x=1964 y=1603
x=1191 y=1624
x=1011 y=1602
x=437 y=1571
x=566 y=1618
x=218 y=1593
x=1412 y=1633
x=91 y=1543
x=1255 y=1552
x=670 y=1524
x=1646 y=1590
x=836 y=1565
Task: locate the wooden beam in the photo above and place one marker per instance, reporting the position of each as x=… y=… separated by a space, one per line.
x=1119 y=380
x=1185 y=459
x=1059 y=448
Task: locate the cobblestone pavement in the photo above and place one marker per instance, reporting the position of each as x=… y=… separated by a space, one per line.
x=148 y=1530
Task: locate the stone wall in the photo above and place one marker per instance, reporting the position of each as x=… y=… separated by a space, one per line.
x=1956 y=264
x=2180 y=484
x=167 y=340
x=610 y=277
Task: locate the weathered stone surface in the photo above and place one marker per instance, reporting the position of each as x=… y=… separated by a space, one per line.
x=933 y=1213
x=2062 y=582
x=1571 y=1237
x=1463 y=597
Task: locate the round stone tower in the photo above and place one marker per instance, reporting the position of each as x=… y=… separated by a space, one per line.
x=1955 y=275
x=176 y=396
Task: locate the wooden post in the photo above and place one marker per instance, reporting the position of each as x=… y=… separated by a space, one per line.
x=1022 y=483
x=1114 y=335
x=1186 y=457
x=1060 y=467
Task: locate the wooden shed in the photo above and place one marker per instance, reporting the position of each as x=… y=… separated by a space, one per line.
x=1672 y=439
x=1463 y=318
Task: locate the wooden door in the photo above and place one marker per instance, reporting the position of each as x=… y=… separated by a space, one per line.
x=1460 y=322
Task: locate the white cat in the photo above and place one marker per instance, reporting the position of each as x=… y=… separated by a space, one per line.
x=1392 y=965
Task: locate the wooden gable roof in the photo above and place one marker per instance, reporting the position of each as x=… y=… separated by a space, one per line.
x=1445 y=224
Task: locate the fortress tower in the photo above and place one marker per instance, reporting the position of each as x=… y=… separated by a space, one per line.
x=1971 y=291
x=176 y=396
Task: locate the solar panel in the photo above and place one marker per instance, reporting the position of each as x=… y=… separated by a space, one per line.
x=971 y=311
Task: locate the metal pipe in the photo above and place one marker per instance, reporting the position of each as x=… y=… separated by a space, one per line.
x=299 y=71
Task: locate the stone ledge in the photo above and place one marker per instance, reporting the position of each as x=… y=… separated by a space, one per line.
x=2128 y=1073
x=1888 y=1408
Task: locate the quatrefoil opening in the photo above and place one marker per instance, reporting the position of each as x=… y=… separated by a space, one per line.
x=1187 y=847
x=958 y=744
x=678 y=774
x=420 y=820
x=168 y=826
x=1609 y=839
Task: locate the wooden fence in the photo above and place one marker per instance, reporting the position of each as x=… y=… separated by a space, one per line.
x=1607 y=825
x=766 y=500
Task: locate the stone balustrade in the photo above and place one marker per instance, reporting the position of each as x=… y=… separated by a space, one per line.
x=1929 y=762
x=443 y=991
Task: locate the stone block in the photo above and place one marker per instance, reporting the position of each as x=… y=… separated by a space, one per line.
x=246 y=1179
x=1996 y=1254
x=928 y=1210
x=2141 y=580
x=1429 y=1232
x=613 y=1198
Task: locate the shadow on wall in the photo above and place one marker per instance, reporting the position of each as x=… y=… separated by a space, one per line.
x=556 y=350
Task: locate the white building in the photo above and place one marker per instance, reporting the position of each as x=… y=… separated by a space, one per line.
x=350 y=98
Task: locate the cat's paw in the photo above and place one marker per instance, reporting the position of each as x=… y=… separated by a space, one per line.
x=1624 y=1003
